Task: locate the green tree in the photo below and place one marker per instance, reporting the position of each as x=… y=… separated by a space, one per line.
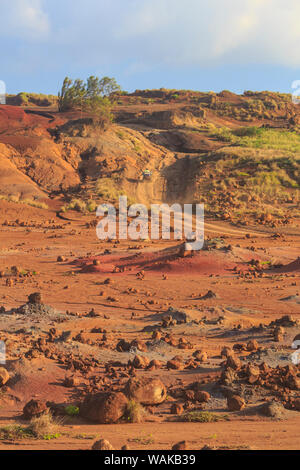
x=65 y=95
x=95 y=94
x=108 y=86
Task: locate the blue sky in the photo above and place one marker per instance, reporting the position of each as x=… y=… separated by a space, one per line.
x=192 y=44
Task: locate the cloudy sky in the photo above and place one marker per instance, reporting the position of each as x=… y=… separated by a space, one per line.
x=191 y=44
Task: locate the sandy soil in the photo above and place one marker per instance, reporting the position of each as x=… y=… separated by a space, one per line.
x=132 y=307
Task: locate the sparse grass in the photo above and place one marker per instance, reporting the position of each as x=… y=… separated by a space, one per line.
x=28 y=202
x=259 y=137
x=15 y=432
x=135 y=412
x=249 y=182
x=43 y=427
x=108 y=189
x=85 y=436
x=37 y=99
x=203 y=417
x=143 y=440
x=79 y=205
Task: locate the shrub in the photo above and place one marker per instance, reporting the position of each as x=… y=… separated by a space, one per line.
x=135 y=412
x=71 y=410
x=45 y=427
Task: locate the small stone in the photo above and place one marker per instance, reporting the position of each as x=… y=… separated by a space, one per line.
x=35 y=298
x=103 y=444
x=233 y=362
x=177 y=409
x=202 y=396
x=182 y=445
x=252 y=345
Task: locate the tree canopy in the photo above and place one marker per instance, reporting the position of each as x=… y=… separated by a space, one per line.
x=93 y=95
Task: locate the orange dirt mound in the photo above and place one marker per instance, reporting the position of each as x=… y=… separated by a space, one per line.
x=11 y=116
x=169 y=260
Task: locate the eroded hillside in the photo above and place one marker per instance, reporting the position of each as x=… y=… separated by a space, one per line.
x=239 y=154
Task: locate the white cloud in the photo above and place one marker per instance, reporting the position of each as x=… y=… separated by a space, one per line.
x=198 y=32
x=146 y=35
x=24 y=19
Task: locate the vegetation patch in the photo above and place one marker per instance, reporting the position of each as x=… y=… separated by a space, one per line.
x=28 y=202
x=203 y=417
x=42 y=427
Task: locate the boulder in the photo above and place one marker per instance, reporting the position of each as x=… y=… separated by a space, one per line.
x=35 y=408
x=155 y=364
x=104 y=408
x=147 y=391
x=235 y=403
x=272 y=409
x=175 y=365
x=35 y=298
x=179 y=315
x=200 y=356
x=140 y=362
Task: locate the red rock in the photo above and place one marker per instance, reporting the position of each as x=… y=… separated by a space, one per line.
x=147 y=391
x=175 y=365
x=35 y=408
x=182 y=445
x=154 y=364
x=202 y=396
x=103 y=444
x=233 y=362
x=104 y=408
x=140 y=362
x=235 y=403
x=252 y=345
x=177 y=409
